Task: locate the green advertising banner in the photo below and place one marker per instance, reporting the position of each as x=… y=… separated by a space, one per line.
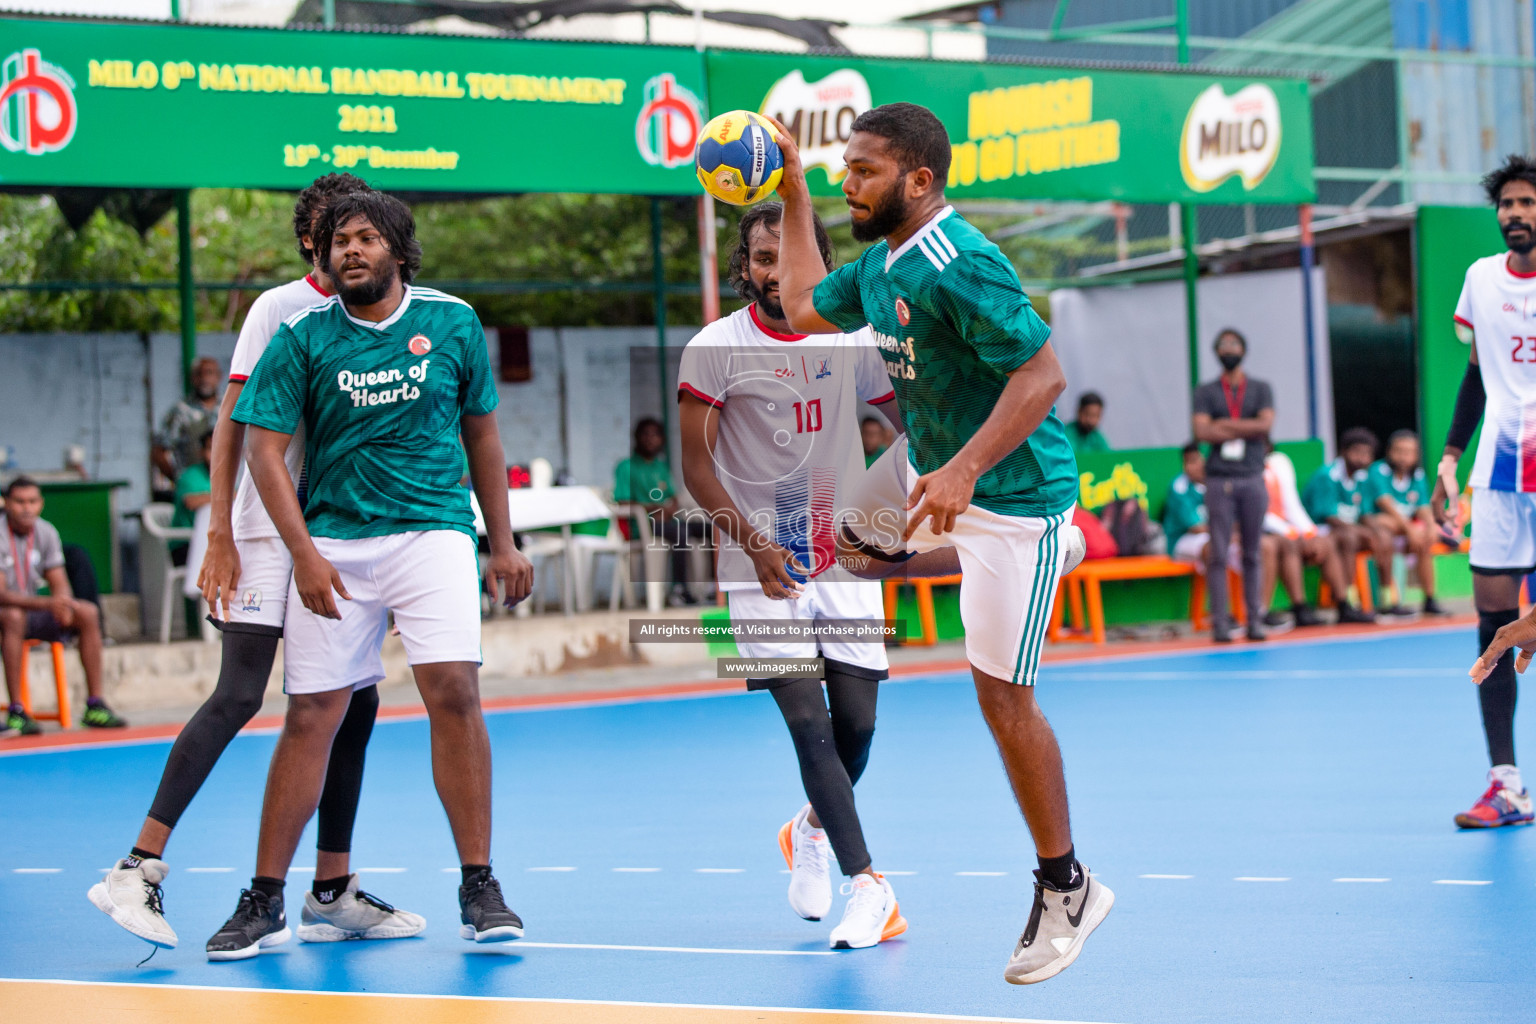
x=164 y=105
x=1032 y=132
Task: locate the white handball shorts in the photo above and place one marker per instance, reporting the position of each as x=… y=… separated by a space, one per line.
x=818 y=602
x=260 y=600
x=1503 y=531
x=429 y=579
x=1011 y=564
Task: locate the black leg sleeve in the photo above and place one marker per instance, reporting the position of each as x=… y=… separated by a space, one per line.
x=826 y=781
x=81 y=574
x=242 y=682
x=344 y=775
x=852 y=702
x=338 y=800
x=1497 y=693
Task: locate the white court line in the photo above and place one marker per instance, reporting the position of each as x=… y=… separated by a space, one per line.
x=1155 y=675
x=1462 y=881
x=208 y=871
x=391 y=996
x=1362 y=879
x=980 y=874
x=551 y=869
x=450 y=871
x=1258 y=878
x=1179 y=877
x=718 y=871
x=637 y=871
x=898 y=874
x=37 y=871
x=309 y=870
x=376 y=871
x=674 y=949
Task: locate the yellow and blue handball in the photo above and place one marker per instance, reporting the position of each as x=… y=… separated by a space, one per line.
x=737 y=160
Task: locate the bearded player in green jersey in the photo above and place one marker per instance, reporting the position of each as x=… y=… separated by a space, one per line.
x=985 y=471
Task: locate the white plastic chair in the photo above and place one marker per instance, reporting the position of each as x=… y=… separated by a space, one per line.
x=588 y=550
x=155 y=565
x=653 y=558
x=543 y=549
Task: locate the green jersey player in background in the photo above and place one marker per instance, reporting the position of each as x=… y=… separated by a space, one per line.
x=984 y=469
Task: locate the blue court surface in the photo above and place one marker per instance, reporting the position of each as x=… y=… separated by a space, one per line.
x=1275 y=821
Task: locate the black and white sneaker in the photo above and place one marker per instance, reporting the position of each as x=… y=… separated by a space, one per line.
x=257 y=923
x=484 y=913
x=132 y=897
x=1059 y=922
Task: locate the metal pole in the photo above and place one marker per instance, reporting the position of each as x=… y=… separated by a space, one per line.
x=1191 y=291
x=328 y=13
x=1189 y=225
x=184 y=286
x=709 y=260
x=1308 y=257
x=659 y=284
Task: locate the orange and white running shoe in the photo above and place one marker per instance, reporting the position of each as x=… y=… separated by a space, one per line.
x=807 y=853
x=872 y=914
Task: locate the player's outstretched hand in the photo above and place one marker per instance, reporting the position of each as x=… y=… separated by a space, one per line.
x=773 y=563
x=792 y=183
x=220 y=575
x=1521 y=633
x=1445 y=501
x=318 y=582
x=514 y=571
x=940 y=496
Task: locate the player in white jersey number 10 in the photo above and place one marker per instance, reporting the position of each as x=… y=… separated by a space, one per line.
x=1494 y=315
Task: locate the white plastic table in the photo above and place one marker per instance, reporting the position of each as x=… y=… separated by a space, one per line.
x=537 y=508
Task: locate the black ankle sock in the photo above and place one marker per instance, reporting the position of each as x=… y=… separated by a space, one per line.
x=136 y=856
x=327 y=889
x=471 y=870
x=268 y=886
x=1061 y=872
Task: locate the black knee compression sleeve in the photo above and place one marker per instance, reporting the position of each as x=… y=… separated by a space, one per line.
x=344 y=775
x=1497 y=692
x=248 y=655
x=851 y=696
x=821 y=770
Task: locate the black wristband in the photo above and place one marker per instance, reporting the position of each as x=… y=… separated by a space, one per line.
x=1470 y=400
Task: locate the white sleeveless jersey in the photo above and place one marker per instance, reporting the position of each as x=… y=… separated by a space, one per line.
x=788 y=444
x=249 y=517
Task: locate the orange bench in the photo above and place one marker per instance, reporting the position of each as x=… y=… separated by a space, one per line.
x=925 y=615
x=60 y=684
x=1084 y=585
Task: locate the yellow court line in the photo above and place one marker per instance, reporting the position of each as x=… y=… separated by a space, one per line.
x=102 y=1003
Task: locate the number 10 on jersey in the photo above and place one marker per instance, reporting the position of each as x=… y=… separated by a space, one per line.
x=808 y=416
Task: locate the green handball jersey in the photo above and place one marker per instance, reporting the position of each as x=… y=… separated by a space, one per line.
x=952 y=321
x=381 y=405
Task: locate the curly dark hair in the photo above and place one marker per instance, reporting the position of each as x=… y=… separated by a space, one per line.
x=768 y=215
x=914 y=135
x=385 y=212
x=1359 y=435
x=1516 y=168
x=313 y=201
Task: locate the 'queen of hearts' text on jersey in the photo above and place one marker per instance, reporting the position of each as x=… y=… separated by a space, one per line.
x=1499 y=306
x=952 y=321
x=788 y=440
x=381 y=405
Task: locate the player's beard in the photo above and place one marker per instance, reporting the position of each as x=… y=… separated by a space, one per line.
x=886 y=214
x=370 y=291
x=1519 y=248
x=771 y=309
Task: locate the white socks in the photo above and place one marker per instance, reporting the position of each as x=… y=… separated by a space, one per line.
x=1508 y=776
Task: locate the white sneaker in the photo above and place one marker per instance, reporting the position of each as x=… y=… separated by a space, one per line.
x=871 y=916
x=806 y=852
x=132 y=898
x=1076 y=546
x=355 y=915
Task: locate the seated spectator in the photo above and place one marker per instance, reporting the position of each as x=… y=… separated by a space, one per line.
x=876 y=435
x=1396 y=501
x=1187 y=527
x=1302 y=543
x=32 y=555
x=175 y=444
x=1083 y=433
x=645 y=478
x=1334 y=498
x=194 y=489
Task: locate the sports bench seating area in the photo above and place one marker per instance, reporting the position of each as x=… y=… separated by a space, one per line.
x=1080 y=598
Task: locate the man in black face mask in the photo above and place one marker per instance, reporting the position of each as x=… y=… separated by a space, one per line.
x=1233 y=414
